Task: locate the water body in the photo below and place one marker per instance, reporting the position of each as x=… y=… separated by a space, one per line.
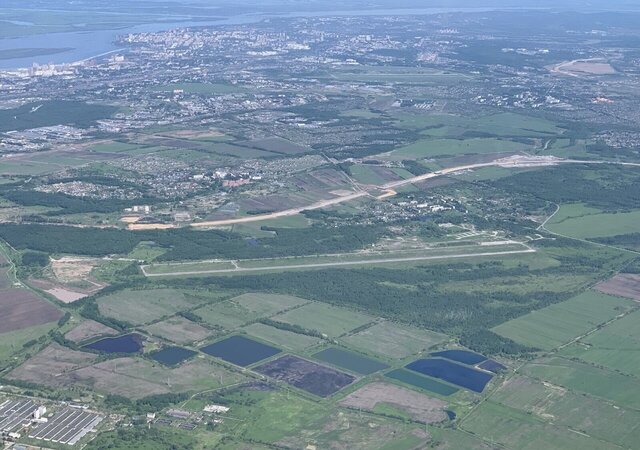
x=172 y=355
x=463 y=356
x=240 y=350
x=129 y=343
x=457 y=374
x=350 y=361
x=88 y=44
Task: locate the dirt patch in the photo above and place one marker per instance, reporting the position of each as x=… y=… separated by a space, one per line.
x=179 y=330
x=72 y=270
x=622 y=285
x=418 y=406
x=52 y=366
x=584 y=67
x=89 y=329
x=20 y=309
x=194 y=134
x=62 y=293
x=306 y=375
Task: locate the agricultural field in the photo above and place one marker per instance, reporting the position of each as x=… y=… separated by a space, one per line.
x=21 y=308
x=453 y=147
x=579 y=221
x=325 y=319
x=558 y=324
x=622 y=285
x=392 y=340
x=89 y=329
x=281 y=338
x=179 y=330
x=417 y=406
x=145 y=306
x=613 y=346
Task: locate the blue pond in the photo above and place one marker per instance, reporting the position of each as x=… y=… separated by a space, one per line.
x=172 y=355
x=492 y=366
x=457 y=374
x=129 y=343
x=463 y=356
x=240 y=350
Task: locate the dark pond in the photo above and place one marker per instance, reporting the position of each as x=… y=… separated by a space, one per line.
x=492 y=366
x=172 y=355
x=463 y=356
x=457 y=374
x=421 y=382
x=240 y=350
x=450 y=414
x=350 y=361
x=129 y=343
x=317 y=379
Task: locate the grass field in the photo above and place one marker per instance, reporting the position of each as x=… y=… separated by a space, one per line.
x=281 y=338
x=144 y=306
x=326 y=319
x=12 y=342
x=179 y=330
x=579 y=221
x=393 y=341
x=516 y=429
x=558 y=324
x=245 y=308
x=367 y=174
x=615 y=346
x=622 y=390
x=582 y=413
x=453 y=147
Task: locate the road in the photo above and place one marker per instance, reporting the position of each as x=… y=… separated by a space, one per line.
x=337 y=263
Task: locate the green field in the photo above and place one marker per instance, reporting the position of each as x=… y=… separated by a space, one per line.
x=144 y=306
x=366 y=174
x=245 y=308
x=558 y=324
x=453 y=147
x=618 y=388
x=615 y=346
x=326 y=319
x=586 y=414
x=393 y=341
x=13 y=341
x=518 y=430
x=579 y=221
x=281 y=338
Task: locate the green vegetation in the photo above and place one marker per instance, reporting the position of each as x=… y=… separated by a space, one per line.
x=557 y=324
x=583 y=223
x=333 y=322
x=452 y=147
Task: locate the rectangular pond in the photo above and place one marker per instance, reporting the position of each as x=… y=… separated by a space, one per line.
x=129 y=343
x=463 y=356
x=172 y=355
x=240 y=350
x=314 y=378
x=451 y=372
x=421 y=382
x=492 y=366
x=350 y=361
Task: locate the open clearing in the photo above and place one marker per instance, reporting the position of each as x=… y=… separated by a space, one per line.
x=558 y=324
x=560 y=406
x=281 y=338
x=20 y=308
x=337 y=260
x=179 y=330
x=325 y=319
x=622 y=285
x=417 y=406
x=144 y=306
x=515 y=429
x=582 y=223
x=621 y=389
x=615 y=346
x=393 y=341
x=87 y=330
x=453 y=147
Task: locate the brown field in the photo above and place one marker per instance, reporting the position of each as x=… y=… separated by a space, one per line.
x=418 y=406
x=89 y=329
x=20 y=309
x=60 y=292
x=53 y=366
x=623 y=285
x=179 y=330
